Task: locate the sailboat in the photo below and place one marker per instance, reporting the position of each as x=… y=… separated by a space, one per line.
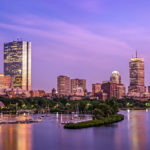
x=76 y=115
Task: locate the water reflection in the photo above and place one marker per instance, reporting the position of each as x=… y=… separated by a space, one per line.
x=130 y=134
x=16 y=137
x=138 y=130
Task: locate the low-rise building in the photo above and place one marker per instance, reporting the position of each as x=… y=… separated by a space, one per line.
x=5 y=81
x=37 y=93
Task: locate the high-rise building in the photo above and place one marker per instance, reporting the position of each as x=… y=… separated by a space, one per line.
x=110 y=88
x=137 y=83
x=17 y=63
x=5 y=81
x=115 y=77
x=113 y=89
x=121 y=91
x=53 y=92
x=63 y=85
x=78 y=83
x=96 y=88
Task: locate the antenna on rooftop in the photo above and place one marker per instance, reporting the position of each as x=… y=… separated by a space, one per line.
x=136 y=54
x=19 y=39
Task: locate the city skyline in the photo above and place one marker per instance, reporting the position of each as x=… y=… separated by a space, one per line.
x=25 y=47
x=89 y=44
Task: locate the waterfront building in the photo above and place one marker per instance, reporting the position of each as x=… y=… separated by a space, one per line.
x=96 y=88
x=113 y=89
x=115 y=77
x=103 y=96
x=17 y=63
x=78 y=83
x=137 y=83
x=78 y=91
x=110 y=88
x=5 y=81
x=53 y=92
x=148 y=89
x=121 y=91
x=17 y=92
x=63 y=85
x=37 y=93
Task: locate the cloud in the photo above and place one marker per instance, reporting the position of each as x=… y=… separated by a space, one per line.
x=61 y=47
x=90 y=5
x=74 y=37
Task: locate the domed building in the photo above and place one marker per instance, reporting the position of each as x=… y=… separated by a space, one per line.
x=115 y=77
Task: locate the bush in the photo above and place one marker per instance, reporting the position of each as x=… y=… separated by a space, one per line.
x=95 y=123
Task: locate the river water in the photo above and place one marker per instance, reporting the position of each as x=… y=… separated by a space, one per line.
x=131 y=134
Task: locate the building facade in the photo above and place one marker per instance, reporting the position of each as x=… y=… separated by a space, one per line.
x=63 y=85
x=37 y=93
x=5 y=82
x=17 y=63
x=78 y=91
x=121 y=91
x=96 y=88
x=78 y=83
x=110 y=88
x=53 y=92
x=115 y=77
x=137 y=84
x=113 y=89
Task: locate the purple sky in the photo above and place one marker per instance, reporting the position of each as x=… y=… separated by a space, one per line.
x=79 y=38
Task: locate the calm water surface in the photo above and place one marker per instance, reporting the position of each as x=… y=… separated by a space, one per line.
x=131 y=134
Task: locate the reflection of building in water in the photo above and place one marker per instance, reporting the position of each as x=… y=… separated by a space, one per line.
x=137 y=130
x=16 y=137
x=132 y=134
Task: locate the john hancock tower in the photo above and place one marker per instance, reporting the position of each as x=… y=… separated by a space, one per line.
x=17 y=63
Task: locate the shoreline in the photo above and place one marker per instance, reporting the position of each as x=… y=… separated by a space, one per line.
x=95 y=123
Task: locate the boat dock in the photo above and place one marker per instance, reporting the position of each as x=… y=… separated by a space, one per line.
x=27 y=121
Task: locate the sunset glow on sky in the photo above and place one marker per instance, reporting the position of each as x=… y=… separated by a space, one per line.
x=78 y=38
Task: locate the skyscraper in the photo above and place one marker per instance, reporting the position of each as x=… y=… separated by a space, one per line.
x=137 y=83
x=63 y=85
x=115 y=77
x=96 y=88
x=17 y=63
x=78 y=83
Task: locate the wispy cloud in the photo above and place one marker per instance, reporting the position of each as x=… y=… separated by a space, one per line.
x=68 y=45
x=73 y=36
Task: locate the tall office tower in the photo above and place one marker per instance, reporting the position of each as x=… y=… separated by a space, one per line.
x=137 y=75
x=96 y=88
x=115 y=77
x=17 y=63
x=78 y=83
x=63 y=85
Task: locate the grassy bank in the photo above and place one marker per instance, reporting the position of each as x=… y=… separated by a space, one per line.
x=95 y=123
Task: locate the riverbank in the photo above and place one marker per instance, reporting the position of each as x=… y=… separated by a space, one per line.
x=95 y=123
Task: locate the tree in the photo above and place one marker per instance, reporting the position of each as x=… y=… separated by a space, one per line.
x=97 y=114
x=106 y=109
x=113 y=104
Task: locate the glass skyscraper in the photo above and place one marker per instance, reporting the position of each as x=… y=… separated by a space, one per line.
x=17 y=63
